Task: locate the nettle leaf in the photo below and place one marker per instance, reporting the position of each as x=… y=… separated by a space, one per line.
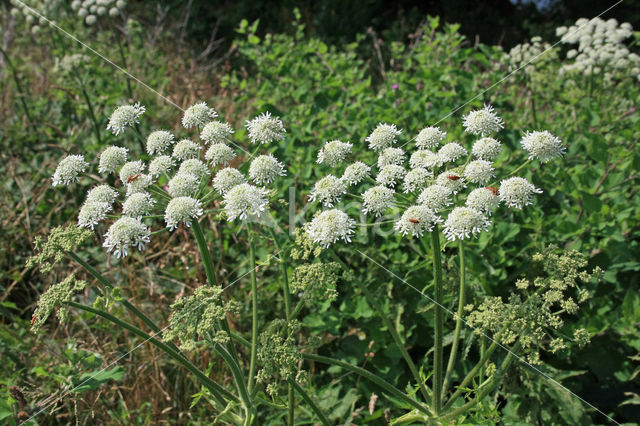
x=91 y=381
x=591 y=203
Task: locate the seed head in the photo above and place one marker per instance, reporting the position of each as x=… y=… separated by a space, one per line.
x=160 y=165
x=517 y=192
x=390 y=156
x=334 y=152
x=328 y=190
x=464 y=222
x=389 y=175
x=482 y=122
x=425 y=159
x=435 y=197
x=69 y=170
x=92 y=213
x=486 y=149
x=226 y=179
x=183 y=185
x=243 y=200
x=265 y=169
x=124 y=233
x=479 y=171
x=329 y=227
x=417 y=220
x=542 y=146
x=185 y=149
x=219 y=153
x=483 y=200
x=138 y=205
x=354 y=173
x=383 y=136
x=123 y=116
x=377 y=200
x=416 y=179
x=198 y=115
x=265 y=129
x=182 y=209
x=159 y=141
x=111 y=159
x=430 y=137
x=216 y=132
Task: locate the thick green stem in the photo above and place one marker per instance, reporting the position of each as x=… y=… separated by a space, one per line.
x=456 y=333
x=254 y=314
x=124 y=65
x=438 y=299
x=238 y=377
x=399 y=343
x=310 y=401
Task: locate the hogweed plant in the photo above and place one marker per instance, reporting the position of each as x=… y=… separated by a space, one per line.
x=452 y=191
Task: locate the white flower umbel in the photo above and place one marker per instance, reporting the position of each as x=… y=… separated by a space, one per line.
x=542 y=146
x=195 y=167
x=329 y=227
x=183 y=185
x=517 y=192
x=219 y=153
x=417 y=220
x=126 y=232
x=185 y=149
x=265 y=169
x=161 y=165
x=484 y=200
x=138 y=183
x=334 y=152
x=390 y=156
x=198 y=115
x=435 y=197
x=264 y=129
x=69 y=170
x=482 y=122
x=450 y=152
x=463 y=222
x=479 y=171
x=159 y=141
x=416 y=179
x=390 y=174
x=92 y=213
x=102 y=194
x=216 y=132
x=138 y=205
x=355 y=173
x=244 y=200
x=486 y=149
x=131 y=170
x=182 y=209
x=451 y=180
x=377 y=200
x=226 y=179
x=124 y=116
x=111 y=159
x=328 y=190
x=425 y=159
x=383 y=136
x=430 y=137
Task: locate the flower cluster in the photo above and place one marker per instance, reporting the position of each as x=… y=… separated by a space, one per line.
x=527 y=57
x=92 y=10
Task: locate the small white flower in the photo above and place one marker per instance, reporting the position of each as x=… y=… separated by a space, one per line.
x=123 y=116
x=131 y=170
x=265 y=129
x=183 y=185
x=329 y=227
x=159 y=141
x=416 y=179
x=377 y=200
x=425 y=159
x=266 y=169
x=226 y=179
x=450 y=152
x=138 y=205
x=69 y=170
x=482 y=122
x=430 y=137
x=219 y=153
x=354 y=173
x=334 y=152
x=102 y=194
x=517 y=192
x=111 y=159
x=479 y=171
x=138 y=184
x=195 y=167
x=92 y=212
x=483 y=200
x=383 y=136
x=160 y=165
x=463 y=222
x=542 y=146
x=486 y=149
x=417 y=220
x=390 y=156
x=216 y=132
x=435 y=197
x=197 y=115
x=328 y=190
x=124 y=233
x=182 y=209
x=185 y=149
x=451 y=180
x=390 y=174
x=244 y=200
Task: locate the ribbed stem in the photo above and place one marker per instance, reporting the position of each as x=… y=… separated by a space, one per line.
x=310 y=401
x=438 y=298
x=254 y=314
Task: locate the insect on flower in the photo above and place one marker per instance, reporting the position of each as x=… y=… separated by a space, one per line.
x=414 y=221
x=492 y=189
x=132 y=178
x=453 y=177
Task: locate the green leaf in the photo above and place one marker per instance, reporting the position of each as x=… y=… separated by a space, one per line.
x=591 y=203
x=90 y=381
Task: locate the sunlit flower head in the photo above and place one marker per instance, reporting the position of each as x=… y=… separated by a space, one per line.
x=334 y=152
x=425 y=159
x=383 y=136
x=517 y=192
x=390 y=156
x=265 y=129
x=464 y=222
x=484 y=200
x=452 y=180
x=160 y=165
x=183 y=185
x=416 y=179
x=265 y=169
x=226 y=179
x=355 y=173
x=93 y=212
x=198 y=115
x=390 y=175
x=131 y=170
x=69 y=169
x=542 y=146
x=185 y=149
x=111 y=159
x=377 y=200
x=486 y=149
x=329 y=227
x=482 y=122
x=417 y=220
x=124 y=116
x=430 y=137
x=244 y=200
x=138 y=205
x=195 y=167
x=124 y=233
x=182 y=209
x=479 y=171
x=328 y=190
x=216 y=132
x=219 y=153
x=450 y=152
x=138 y=183
x=159 y=141
x=102 y=194
x=435 y=197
